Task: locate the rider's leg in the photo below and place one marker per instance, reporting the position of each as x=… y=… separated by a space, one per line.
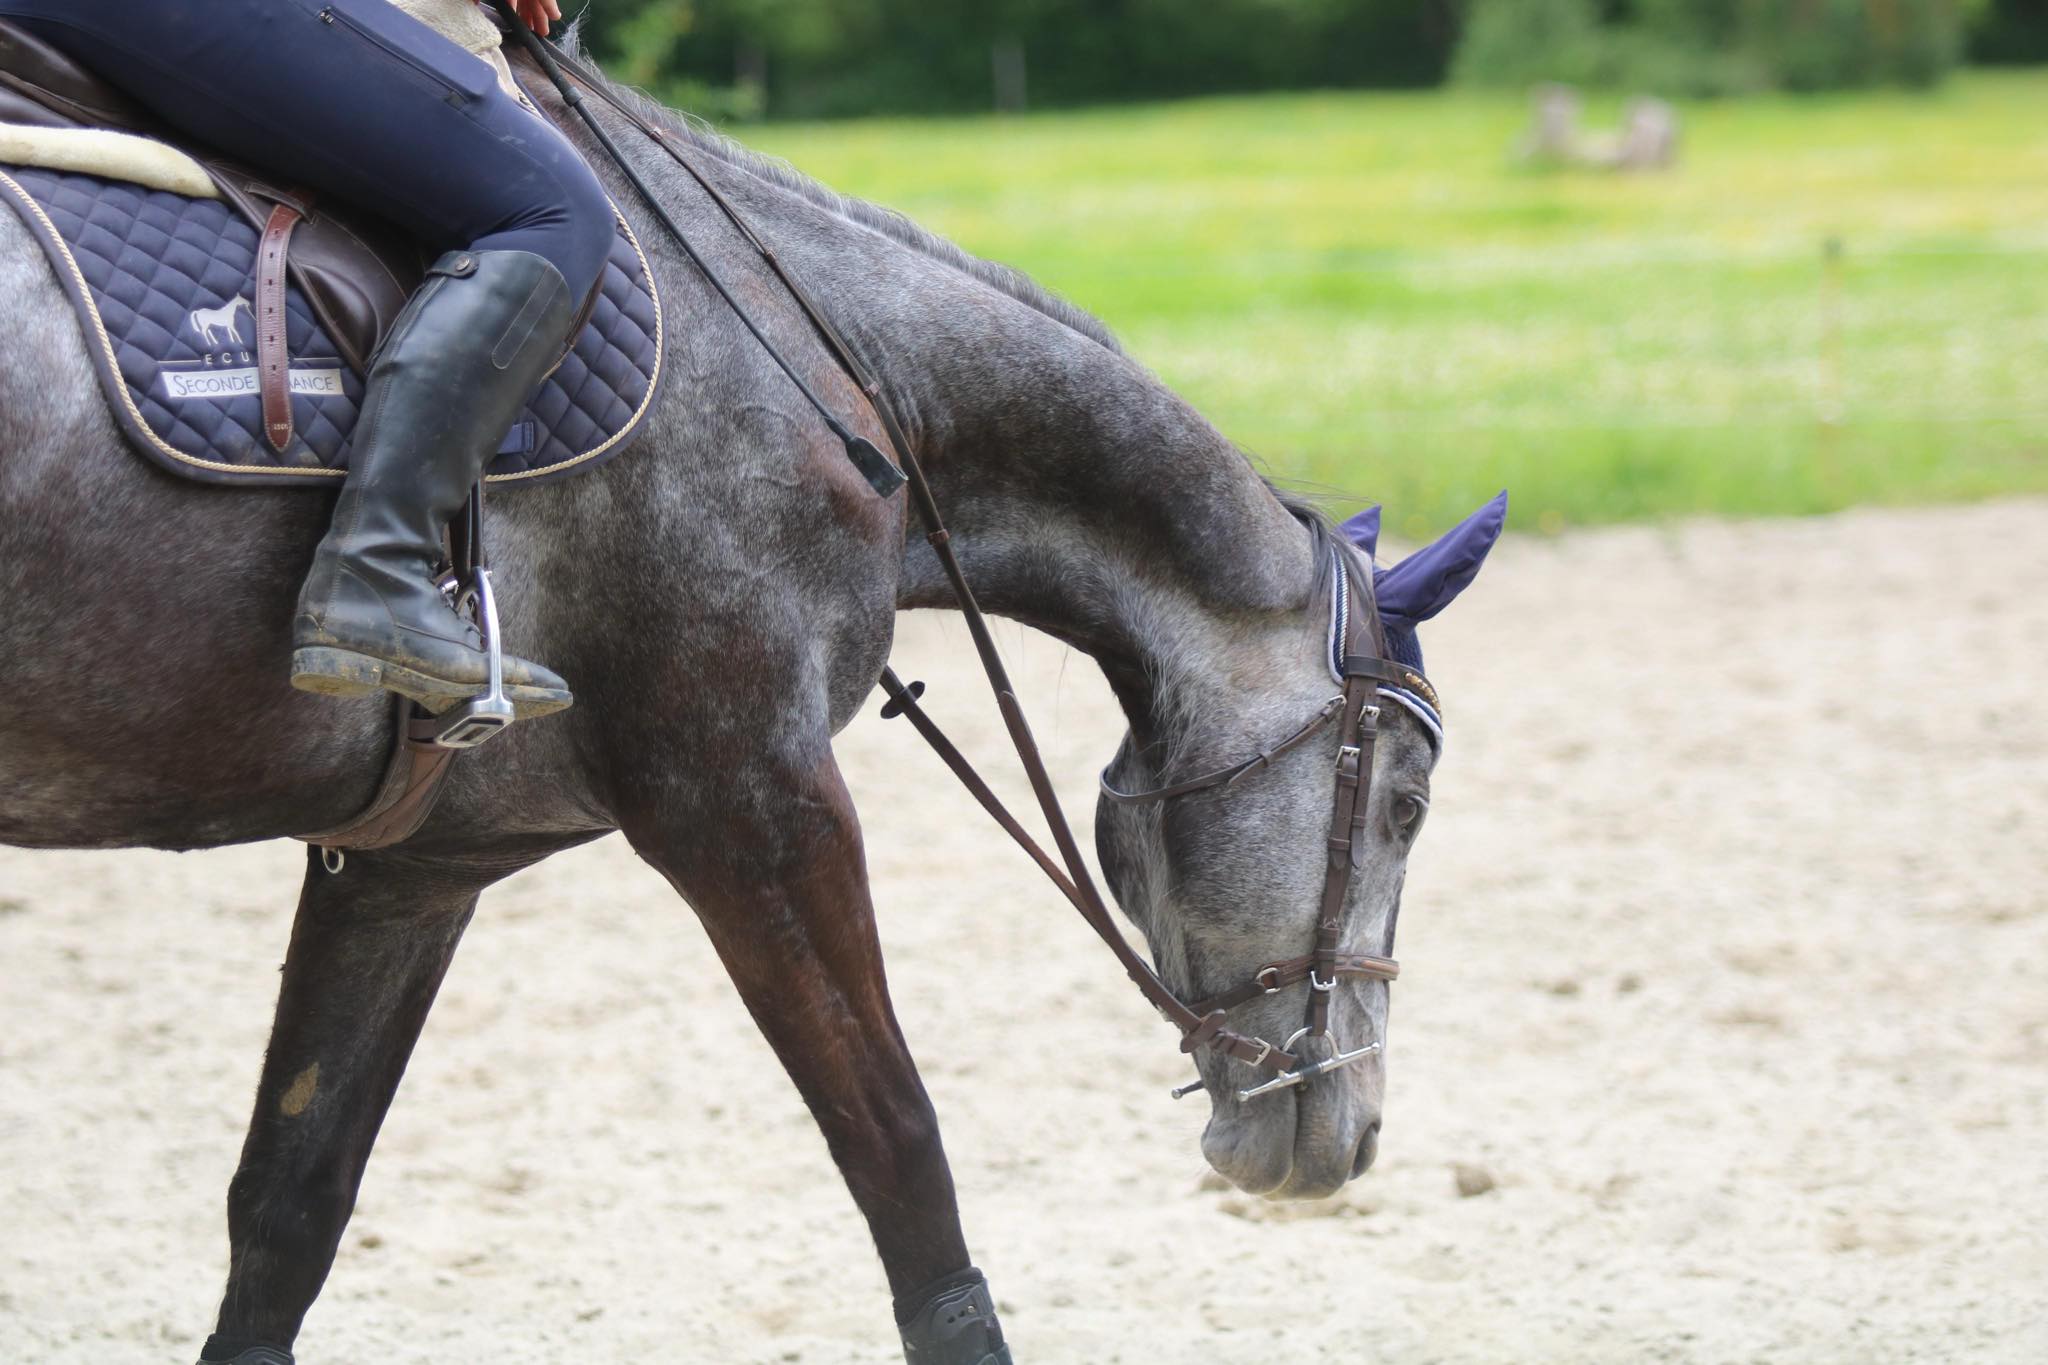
x=354 y=98
x=369 y=615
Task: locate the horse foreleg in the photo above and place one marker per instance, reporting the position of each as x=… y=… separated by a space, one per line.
x=368 y=951
x=777 y=875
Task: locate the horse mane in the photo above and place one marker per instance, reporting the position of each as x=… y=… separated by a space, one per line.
x=887 y=222
x=1316 y=520
x=1303 y=507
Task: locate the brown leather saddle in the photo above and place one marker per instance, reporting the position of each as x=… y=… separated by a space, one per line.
x=355 y=270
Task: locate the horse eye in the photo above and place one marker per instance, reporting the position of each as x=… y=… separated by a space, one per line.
x=1408 y=812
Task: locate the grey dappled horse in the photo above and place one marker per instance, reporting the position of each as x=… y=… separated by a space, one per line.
x=722 y=598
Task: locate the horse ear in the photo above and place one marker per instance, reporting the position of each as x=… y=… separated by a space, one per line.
x=1424 y=583
x=1363 y=530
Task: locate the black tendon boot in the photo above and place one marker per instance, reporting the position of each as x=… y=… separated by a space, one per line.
x=461 y=361
x=952 y=1321
x=219 y=1352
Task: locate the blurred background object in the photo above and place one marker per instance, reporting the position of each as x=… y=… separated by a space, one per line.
x=1646 y=141
x=1304 y=215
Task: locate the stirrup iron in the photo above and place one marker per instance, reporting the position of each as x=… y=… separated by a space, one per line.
x=483 y=717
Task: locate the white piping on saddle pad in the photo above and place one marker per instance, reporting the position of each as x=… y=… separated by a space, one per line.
x=108 y=155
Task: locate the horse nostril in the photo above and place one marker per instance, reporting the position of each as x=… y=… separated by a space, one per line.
x=1368 y=1147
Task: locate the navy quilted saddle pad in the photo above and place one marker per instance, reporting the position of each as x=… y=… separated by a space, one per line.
x=162 y=285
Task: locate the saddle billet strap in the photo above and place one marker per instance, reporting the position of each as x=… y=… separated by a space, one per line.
x=273 y=361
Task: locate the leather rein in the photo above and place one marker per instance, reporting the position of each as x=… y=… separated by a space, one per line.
x=1365 y=670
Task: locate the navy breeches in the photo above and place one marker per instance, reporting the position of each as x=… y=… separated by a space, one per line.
x=356 y=99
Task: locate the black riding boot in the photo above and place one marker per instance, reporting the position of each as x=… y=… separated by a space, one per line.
x=461 y=361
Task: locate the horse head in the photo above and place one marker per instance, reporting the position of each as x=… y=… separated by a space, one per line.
x=1230 y=878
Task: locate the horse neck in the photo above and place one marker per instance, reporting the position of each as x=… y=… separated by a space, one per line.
x=1084 y=496
x=1088 y=500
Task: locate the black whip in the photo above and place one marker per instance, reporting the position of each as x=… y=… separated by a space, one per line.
x=878 y=469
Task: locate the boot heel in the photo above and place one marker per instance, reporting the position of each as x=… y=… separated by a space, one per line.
x=336 y=672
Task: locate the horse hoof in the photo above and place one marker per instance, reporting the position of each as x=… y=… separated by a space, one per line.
x=953 y=1322
x=254 y=1355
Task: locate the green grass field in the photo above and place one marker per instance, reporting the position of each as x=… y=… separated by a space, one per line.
x=1367 y=293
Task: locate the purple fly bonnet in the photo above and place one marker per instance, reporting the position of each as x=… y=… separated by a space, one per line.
x=1422 y=585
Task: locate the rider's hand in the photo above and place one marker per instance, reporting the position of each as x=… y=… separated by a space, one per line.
x=538 y=14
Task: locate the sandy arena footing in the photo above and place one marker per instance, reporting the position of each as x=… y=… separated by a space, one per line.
x=1725 y=985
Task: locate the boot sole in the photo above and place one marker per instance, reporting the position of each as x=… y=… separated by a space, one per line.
x=332 y=672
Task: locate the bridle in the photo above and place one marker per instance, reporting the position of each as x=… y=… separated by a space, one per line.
x=1366 y=677
x=1359 y=661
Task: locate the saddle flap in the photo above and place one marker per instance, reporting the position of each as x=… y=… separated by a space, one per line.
x=357 y=273
x=356 y=270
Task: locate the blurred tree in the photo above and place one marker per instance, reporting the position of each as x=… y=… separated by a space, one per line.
x=1714 y=46
x=859 y=56
x=1521 y=42
x=2011 y=31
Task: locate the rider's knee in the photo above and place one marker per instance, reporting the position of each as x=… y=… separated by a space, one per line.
x=568 y=220
x=580 y=239
x=595 y=230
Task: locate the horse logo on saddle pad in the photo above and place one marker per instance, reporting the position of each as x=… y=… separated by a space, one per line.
x=214 y=324
x=227 y=369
